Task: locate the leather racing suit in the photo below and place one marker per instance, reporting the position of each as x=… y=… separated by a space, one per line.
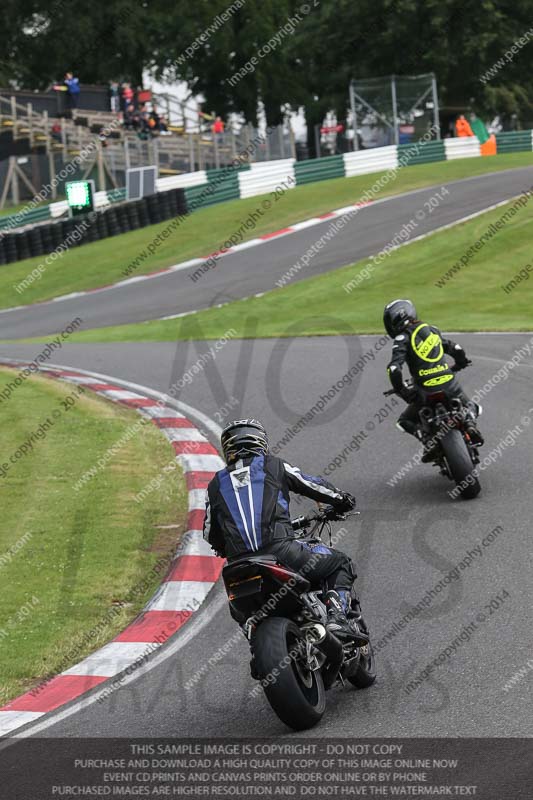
x=247 y=511
x=423 y=348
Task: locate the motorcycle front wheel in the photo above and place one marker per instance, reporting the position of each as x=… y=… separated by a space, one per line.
x=296 y=693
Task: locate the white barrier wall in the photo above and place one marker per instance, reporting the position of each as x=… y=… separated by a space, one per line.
x=181 y=181
x=266 y=176
x=61 y=207
x=462 y=147
x=362 y=162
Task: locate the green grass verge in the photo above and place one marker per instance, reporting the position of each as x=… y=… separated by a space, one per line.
x=67 y=558
x=473 y=300
x=206 y=230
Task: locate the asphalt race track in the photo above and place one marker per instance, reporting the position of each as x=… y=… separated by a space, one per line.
x=408 y=538
x=252 y=271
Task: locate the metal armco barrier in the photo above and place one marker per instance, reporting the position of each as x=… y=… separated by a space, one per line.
x=421 y=153
x=319 y=169
x=514 y=141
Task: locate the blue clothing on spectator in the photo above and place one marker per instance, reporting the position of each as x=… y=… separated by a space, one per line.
x=73 y=85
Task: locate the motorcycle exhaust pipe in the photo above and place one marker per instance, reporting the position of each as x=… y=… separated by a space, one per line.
x=318 y=631
x=332 y=649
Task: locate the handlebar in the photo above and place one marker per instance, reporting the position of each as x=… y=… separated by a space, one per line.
x=327 y=514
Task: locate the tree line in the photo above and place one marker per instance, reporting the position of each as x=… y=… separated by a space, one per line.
x=285 y=53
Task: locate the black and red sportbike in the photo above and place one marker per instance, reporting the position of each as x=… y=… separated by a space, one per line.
x=294 y=656
x=446 y=437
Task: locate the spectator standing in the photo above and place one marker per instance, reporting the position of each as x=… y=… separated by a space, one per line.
x=73 y=90
x=114 y=96
x=127 y=95
x=218 y=129
x=462 y=126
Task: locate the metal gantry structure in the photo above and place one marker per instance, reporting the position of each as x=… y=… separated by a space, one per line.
x=395 y=101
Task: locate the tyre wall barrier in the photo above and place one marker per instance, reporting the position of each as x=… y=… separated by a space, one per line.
x=54 y=237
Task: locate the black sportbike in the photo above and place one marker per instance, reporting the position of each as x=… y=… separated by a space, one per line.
x=294 y=656
x=446 y=438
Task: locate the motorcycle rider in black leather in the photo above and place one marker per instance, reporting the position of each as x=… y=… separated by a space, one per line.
x=423 y=348
x=247 y=511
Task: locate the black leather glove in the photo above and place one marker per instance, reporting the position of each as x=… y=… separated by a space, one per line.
x=461 y=363
x=348 y=502
x=460 y=358
x=408 y=394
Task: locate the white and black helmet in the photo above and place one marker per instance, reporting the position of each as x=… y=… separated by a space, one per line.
x=397 y=315
x=243 y=437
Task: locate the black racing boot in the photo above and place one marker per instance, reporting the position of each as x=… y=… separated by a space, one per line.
x=357 y=617
x=476 y=436
x=356 y=614
x=473 y=431
x=470 y=421
x=338 y=623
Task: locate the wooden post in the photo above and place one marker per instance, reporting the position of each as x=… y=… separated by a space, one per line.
x=47 y=131
x=200 y=152
x=36 y=169
x=191 y=152
x=52 y=171
x=15 y=193
x=14 y=115
x=7 y=184
x=64 y=139
x=30 y=122
x=217 y=154
x=101 y=171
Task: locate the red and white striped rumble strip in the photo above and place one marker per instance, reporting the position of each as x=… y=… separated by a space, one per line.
x=190 y=576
